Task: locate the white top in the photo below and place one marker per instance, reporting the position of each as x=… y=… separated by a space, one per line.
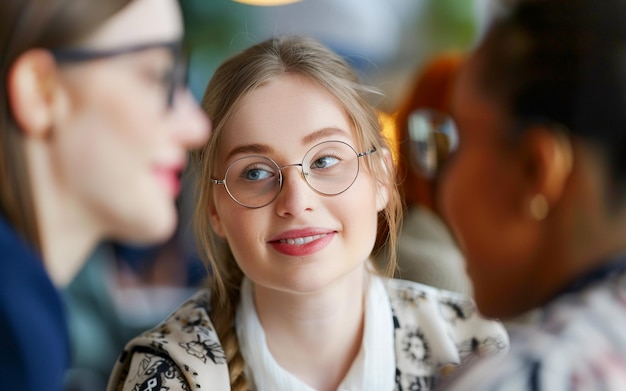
x=373 y=369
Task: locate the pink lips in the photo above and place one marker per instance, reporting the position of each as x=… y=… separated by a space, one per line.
x=302 y=242
x=169 y=177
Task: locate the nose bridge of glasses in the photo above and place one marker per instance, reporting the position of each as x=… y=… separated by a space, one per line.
x=303 y=175
x=282 y=168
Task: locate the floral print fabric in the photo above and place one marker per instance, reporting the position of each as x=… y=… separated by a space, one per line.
x=435 y=332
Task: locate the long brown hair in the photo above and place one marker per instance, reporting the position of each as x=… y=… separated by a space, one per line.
x=232 y=81
x=25 y=25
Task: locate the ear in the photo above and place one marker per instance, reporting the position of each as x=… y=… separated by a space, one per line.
x=30 y=88
x=549 y=157
x=216 y=221
x=382 y=187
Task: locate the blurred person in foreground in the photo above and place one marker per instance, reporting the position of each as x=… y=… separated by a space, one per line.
x=95 y=124
x=427 y=251
x=536 y=192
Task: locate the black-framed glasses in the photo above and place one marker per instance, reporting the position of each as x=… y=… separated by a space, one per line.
x=176 y=79
x=433 y=136
x=329 y=168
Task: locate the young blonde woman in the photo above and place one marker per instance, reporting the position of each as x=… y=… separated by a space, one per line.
x=293 y=184
x=95 y=123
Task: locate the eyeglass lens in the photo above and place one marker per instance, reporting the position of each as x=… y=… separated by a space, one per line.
x=180 y=73
x=329 y=168
x=433 y=137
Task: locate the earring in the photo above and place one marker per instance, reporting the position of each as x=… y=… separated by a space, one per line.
x=539 y=207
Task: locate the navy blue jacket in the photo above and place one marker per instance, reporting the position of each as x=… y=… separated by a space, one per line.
x=34 y=342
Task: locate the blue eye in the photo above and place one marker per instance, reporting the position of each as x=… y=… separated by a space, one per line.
x=324 y=162
x=257 y=174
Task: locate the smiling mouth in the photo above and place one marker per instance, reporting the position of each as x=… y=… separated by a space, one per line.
x=301 y=241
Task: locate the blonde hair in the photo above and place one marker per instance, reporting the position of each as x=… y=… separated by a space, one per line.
x=232 y=81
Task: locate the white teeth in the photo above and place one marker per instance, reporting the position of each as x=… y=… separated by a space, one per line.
x=301 y=241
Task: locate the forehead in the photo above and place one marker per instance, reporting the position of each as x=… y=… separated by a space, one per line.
x=471 y=105
x=464 y=90
x=139 y=22
x=283 y=112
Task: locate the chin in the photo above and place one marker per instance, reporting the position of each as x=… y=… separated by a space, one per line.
x=492 y=305
x=485 y=307
x=150 y=231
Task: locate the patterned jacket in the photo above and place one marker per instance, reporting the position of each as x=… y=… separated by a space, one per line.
x=434 y=330
x=576 y=342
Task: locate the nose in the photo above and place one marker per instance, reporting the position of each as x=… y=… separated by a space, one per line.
x=296 y=196
x=193 y=127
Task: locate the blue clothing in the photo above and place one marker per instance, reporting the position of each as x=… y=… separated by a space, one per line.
x=34 y=347
x=575 y=342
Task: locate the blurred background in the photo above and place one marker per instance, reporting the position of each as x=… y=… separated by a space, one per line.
x=124 y=290
x=386 y=40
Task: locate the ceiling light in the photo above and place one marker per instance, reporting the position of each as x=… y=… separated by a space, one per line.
x=266 y=2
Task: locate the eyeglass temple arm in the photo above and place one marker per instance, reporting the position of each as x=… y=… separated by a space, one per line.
x=369 y=152
x=75 y=54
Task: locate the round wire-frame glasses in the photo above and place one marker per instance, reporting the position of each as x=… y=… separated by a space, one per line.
x=329 y=168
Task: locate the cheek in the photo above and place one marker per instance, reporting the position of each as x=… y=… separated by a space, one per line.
x=107 y=115
x=113 y=142
x=137 y=113
x=239 y=226
x=106 y=149
x=473 y=196
x=459 y=190
x=357 y=209
x=480 y=197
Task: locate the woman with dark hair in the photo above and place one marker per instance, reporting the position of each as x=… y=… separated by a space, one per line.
x=536 y=193
x=95 y=122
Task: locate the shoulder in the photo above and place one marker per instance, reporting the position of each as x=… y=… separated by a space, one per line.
x=186 y=341
x=578 y=340
x=32 y=318
x=543 y=362
x=448 y=321
x=410 y=298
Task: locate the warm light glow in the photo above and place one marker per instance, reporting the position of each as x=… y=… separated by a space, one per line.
x=266 y=2
x=388 y=123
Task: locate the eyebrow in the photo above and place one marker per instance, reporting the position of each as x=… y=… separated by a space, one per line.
x=323 y=133
x=264 y=149
x=256 y=149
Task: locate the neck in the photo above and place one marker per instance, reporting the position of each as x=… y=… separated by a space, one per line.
x=68 y=233
x=587 y=247
x=582 y=235
x=66 y=244
x=317 y=333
